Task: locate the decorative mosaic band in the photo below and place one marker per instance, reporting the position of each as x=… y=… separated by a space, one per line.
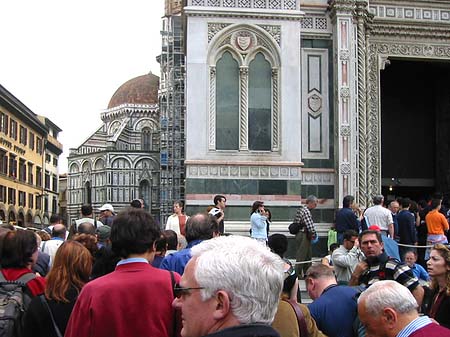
x=243 y=172
x=260 y=172
x=410 y=13
x=247 y=4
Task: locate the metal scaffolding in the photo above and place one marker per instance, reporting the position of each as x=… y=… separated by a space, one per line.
x=172 y=109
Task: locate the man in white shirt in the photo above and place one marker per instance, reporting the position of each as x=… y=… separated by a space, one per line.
x=346 y=257
x=87 y=216
x=380 y=216
x=51 y=246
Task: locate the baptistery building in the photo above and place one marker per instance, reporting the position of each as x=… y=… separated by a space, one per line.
x=119 y=162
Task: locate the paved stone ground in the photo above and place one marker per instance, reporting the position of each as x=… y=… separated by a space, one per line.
x=304 y=294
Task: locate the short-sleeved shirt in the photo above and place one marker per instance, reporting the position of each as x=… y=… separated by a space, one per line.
x=388 y=268
x=436 y=222
x=380 y=216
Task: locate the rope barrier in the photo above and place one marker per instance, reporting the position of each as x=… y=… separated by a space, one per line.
x=413 y=246
x=305 y=262
x=400 y=244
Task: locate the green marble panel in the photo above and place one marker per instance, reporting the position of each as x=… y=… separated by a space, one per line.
x=240 y=186
x=236 y=213
x=321 y=163
x=325 y=191
x=195 y=185
x=269 y=187
x=221 y=186
x=294 y=187
x=328 y=215
x=310 y=190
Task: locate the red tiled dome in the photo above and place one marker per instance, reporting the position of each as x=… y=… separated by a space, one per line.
x=139 y=90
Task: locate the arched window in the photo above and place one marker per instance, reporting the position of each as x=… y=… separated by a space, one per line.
x=227 y=103
x=145 y=192
x=87 y=193
x=259 y=104
x=244 y=91
x=146 y=139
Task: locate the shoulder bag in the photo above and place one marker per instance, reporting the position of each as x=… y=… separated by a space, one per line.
x=45 y=303
x=300 y=317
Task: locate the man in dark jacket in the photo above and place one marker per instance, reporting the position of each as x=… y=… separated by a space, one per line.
x=346 y=219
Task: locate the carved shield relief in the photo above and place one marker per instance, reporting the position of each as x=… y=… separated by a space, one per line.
x=244 y=41
x=315 y=105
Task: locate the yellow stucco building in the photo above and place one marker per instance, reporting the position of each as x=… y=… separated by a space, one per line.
x=29 y=152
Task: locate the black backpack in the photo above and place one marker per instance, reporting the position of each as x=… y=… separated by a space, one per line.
x=14 y=300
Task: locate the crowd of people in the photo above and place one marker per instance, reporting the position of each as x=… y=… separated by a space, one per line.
x=121 y=275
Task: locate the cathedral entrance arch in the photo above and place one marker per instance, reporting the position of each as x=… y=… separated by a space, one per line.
x=380 y=54
x=415 y=119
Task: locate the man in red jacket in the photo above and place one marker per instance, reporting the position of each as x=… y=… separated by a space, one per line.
x=388 y=309
x=136 y=298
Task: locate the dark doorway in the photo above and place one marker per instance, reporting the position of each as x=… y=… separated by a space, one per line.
x=415 y=119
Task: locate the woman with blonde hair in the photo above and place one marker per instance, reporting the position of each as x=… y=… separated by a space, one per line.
x=48 y=315
x=439 y=298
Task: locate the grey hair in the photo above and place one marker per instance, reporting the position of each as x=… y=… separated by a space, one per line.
x=378 y=199
x=311 y=198
x=251 y=275
x=388 y=294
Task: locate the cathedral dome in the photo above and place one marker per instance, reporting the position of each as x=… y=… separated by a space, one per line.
x=139 y=90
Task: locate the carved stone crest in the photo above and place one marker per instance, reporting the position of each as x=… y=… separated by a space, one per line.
x=315 y=105
x=244 y=41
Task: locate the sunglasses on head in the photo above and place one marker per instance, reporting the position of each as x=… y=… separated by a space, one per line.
x=179 y=291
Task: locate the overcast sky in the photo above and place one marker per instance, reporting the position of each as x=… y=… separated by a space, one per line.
x=64 y=59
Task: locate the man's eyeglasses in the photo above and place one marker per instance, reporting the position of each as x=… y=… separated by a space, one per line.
x=179 y=291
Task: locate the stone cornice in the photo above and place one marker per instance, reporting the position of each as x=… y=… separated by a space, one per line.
x=125 y=110
x=250 y=4
x=410 y=31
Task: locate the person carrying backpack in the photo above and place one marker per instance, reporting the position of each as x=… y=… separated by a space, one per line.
x=18 y=284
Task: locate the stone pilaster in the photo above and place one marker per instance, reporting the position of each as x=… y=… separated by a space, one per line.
x=344 y=29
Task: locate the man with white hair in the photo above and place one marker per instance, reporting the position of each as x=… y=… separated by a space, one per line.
x=388 y=309
x=230 y=288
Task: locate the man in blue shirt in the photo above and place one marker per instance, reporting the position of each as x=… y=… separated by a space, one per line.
x=331 y=303
x=418 y=271
x=198 y=228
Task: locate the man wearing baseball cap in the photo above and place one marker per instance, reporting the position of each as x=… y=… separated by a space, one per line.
x=107 y=214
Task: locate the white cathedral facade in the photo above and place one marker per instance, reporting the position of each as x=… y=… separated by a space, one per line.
x=311 y=97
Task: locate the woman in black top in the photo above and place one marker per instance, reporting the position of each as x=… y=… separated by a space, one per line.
x=69 y=273
x=437 y=301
